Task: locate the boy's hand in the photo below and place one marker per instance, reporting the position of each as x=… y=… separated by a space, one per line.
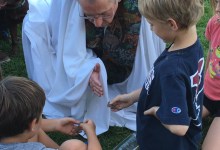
x=120 y=102
x=66 y=126
x=94 y=81
x=88 y=126
x=152 y=111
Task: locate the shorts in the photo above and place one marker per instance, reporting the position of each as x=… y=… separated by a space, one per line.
x=212 y=106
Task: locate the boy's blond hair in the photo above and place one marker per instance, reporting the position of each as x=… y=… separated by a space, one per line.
x=213 y=5
x=185 y=12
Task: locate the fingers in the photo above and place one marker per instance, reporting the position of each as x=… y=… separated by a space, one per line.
x=68 y=126
x=97 y=68
x=75 y=121
x=114 y=106
x=73 y=132
x=114 y=109
x=95 y=82
x=88 y=125
x=96 y=87
x=147 y=112
x=117 y=100
x=67 y=120
x=120 y=102
x=151 y=111
x=76 y=129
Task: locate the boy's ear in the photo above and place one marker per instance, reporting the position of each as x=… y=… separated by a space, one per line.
x=33 y=125
x=172 y=23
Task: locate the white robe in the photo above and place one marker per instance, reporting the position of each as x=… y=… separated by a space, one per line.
x=53 y=37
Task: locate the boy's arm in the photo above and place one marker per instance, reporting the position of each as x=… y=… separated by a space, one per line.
x=93 y=142
x=124 y=100
x=179 y=130
x=43 y=138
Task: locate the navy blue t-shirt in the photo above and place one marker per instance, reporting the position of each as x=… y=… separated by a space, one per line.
x=175 y=84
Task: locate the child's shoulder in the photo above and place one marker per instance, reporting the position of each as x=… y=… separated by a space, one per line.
x=213 y=20
x=24 y=146
x=179 y=58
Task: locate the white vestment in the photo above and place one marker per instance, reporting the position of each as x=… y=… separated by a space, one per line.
x=53 y=37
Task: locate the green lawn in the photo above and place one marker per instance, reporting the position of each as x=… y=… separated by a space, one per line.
x=115 y=134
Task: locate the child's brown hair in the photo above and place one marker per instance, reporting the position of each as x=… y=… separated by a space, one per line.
x=21 y=101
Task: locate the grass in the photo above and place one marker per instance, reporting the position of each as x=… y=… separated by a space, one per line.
x=113 y=137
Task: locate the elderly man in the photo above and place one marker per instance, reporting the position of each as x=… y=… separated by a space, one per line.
x=54 y=39
x=112 y=30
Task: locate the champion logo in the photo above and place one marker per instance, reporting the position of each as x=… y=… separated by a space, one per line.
x=176 y=110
